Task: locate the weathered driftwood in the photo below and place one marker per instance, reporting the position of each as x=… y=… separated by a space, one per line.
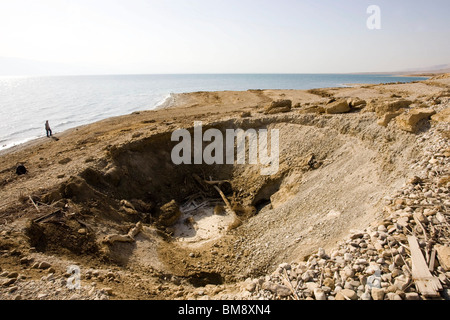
x=34 y=204
x=46 y=216
x=110 y=239
x=213 y=184
x=426 y=284
x=202 y=182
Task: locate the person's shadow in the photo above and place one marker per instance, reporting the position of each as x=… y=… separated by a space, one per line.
x=54 y=138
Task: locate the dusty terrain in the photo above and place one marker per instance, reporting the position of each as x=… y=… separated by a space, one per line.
x=105 y=196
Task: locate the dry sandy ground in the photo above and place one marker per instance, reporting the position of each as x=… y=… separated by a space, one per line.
x=334 y=172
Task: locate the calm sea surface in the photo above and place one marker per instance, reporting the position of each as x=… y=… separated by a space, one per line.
x=69 y=101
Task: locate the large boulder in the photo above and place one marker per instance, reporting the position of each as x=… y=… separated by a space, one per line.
x=339 y=106
x=409 y=121
x=278 y=106
x=381 y=107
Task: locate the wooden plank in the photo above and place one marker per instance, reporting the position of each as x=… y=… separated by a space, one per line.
x=432 y=260
x=426 y=284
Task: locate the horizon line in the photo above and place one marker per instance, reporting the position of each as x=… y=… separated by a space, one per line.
x=403 y=73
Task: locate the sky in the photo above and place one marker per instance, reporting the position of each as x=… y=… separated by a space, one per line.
x=220 y=36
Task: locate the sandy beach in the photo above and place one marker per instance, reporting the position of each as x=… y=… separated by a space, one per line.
x=107 y=198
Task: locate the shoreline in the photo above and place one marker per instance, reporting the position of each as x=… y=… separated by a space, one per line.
x=170 y=101
x=105 y=196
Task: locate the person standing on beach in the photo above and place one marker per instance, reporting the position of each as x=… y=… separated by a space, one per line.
x=47 y=129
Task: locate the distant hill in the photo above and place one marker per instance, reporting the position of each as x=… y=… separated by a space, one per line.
x=428 y=71
x=442 y=68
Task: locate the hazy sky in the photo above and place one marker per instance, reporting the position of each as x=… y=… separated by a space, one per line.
x=220 y=36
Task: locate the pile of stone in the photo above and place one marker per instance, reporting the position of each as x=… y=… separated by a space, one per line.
x=376 y=264
x=15 y=286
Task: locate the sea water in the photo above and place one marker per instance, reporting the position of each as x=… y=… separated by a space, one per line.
x=70 y=101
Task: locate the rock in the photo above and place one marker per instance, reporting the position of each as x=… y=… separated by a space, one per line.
x=340 y=106
x=311 y=286
x=8 y=282
x=13 y=289
x=444 y=181
x=283 y=291
x=313 y=109
x=75 y=296
x=108 y=291
x=402 y=282
x=398 y=260
x=443 y=116
x=393 y=296
x=409 y=121
x=321 y=253
x=169 y=214
x=285 y=265
x=64 y=161
x=52 y=197
x=386 y=118
x=348 y=285
x=44 y=265
x=269 y=286
x=250 y=286
x=278 y=106
x=378 y=293
x=420 y=217
x=392 y=106
x=348 y=272
x=26 y=260
x=328 y=282
x=440 y=218
x=346 y=293
x=306 y=276
x=412 y=296
x=42 y=296
x=128 y=208
x=319 y=294
x=403 y=221
x=366 y=296
x=356 y=103
x=443 y=254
